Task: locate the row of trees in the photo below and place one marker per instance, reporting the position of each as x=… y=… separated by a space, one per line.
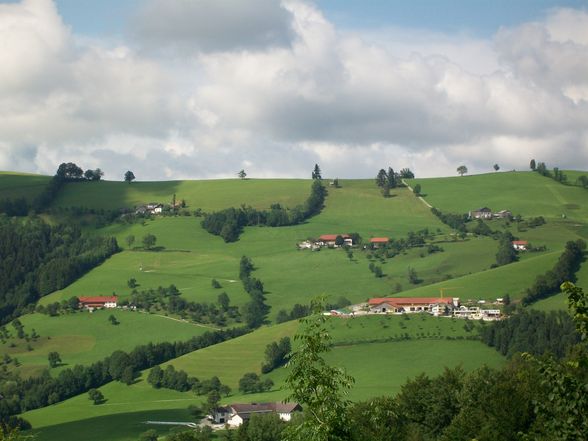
x=255 y=311
x=565 y=269
x=20 y=395
x=37 y=258
x=169 y=299
x=229 y=223
x=534 y=332
x=170 y=378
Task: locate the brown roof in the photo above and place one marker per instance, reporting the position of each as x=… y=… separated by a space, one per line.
x=333 y=236
x=520 y=242
x=409 y=300
x=380 y=240
x=245 y=410
x=98 y=299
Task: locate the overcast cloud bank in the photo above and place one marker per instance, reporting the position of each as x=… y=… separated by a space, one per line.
x=201 y=91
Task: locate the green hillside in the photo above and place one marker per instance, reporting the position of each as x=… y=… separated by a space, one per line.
x=189 y=257
x=21 y=185
x=207 y=195
x=83 y=338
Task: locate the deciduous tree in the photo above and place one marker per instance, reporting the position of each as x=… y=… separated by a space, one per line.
x=129 y=176
x=462 y=170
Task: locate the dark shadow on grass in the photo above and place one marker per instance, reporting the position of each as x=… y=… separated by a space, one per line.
x=116 y=427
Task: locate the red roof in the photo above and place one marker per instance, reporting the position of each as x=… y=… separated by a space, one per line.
x=329 y=237
x=520 y=242
x=98 y=299
x=380 y=240
x=409 y=300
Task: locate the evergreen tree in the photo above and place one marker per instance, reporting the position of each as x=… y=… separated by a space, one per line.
x=316 y=173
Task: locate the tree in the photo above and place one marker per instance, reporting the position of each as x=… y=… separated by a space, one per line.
x=215 y=284
x=496 y=167
x=129 y=176
x=69 y=172
x=462 y=170
x=149 y=435
x=54 y=359
x=339 y=241
x=405 y=173
x=391 y=178
x=583 y=181
x=212 y=401
x=242 y=174
x=130 y=240
x=381 y=178
x=132 y=283
x=318 y=387
x=316 y=173
x=149 y=241
x=533 y=165
x=224 y=301
x=412 y=276
x=112 y=319
x=417 y=189
x=96 y=396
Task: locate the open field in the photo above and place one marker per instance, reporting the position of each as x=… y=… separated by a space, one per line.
x=526 y=193
x=131 y=405
x=21 y=185
x=208 y=195
x=190 y=258
x=83 y=338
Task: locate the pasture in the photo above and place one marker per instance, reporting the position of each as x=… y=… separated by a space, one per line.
x=84 y=337
x=21 y=185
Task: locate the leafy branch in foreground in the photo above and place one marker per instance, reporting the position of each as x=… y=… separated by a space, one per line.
x=318 y=387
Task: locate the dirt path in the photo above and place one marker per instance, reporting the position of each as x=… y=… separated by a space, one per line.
x=183 y=321
x=420 y=197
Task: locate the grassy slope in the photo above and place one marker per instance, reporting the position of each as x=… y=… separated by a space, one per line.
x=400 y=360
x=523 y=193
x=207 y=195
x=83 y=338
x=17 y=185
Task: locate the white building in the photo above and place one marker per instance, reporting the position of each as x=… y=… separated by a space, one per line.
x=236 y=414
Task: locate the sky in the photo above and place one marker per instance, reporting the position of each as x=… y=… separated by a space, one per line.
x=200 y=89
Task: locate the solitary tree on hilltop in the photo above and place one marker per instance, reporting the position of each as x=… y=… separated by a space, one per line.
x=129 y=176
x=242 y=174
x=462 y=170
x=533 y=165
x=316 y=173
x=496 y=167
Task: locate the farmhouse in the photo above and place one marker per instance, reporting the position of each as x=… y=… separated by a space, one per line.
x=481 y=213
x=401 y=305
x=378 y=241
x=329 y=239
x=476 y=313
x=98 y=302
x=236 y=414
x=503 y=214
x=150 y=208
x=520 y=245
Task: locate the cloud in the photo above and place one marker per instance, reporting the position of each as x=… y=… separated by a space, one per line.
x=212 y=25
x=293 y=90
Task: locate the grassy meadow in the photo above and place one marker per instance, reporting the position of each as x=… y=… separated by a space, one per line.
x=131 y=406
x=83 y=337
x=189 y=257
x=21 y=185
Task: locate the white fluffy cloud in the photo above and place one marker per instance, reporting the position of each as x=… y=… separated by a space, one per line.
x=203 y=89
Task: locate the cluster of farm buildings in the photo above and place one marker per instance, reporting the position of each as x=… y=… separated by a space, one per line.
x=234 y=415
x=332 y=241
x=437 y=306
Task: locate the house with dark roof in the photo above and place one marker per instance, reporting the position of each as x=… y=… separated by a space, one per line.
x=236 y=414
x=481 y=213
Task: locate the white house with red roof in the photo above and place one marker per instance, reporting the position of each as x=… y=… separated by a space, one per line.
x=97 y=302
x=520 y=245
x=379 y=241
x=401 y=305
x=329 y=239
